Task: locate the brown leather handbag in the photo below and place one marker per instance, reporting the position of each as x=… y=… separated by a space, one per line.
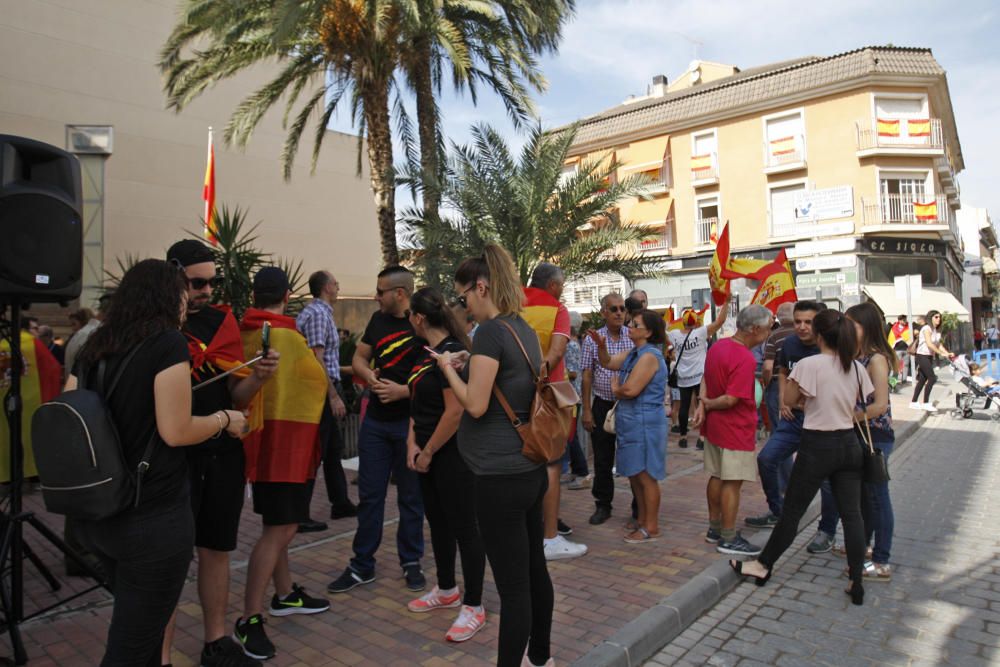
x=545 y=433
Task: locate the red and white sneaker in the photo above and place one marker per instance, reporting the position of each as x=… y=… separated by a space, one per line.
x=434 y=600
x=470 y=621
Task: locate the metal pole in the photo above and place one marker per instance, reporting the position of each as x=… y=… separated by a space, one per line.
x=913 y=332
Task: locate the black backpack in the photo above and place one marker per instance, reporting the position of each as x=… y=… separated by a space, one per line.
x=78 y=451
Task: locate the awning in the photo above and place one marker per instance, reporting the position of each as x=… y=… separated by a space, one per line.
x=931 y=298
x=652 y=213
x=645 y=155
x=990 y=266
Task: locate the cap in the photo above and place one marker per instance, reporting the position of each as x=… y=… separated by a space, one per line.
x=270 y=279
x=188 y=252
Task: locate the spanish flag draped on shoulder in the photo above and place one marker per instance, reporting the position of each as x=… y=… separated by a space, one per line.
x=286 y=448
x=900 y=331
x=40 y=379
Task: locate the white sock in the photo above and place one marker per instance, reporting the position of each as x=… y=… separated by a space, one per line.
x=448 y=591
x=551 y=540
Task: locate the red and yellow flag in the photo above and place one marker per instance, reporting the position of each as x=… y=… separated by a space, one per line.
x=286 y=447
x=777 y=284
x=926 y=212
x=701 y=162
x=40 y=382
x=919 y=127
x=900 y=331
x=720 y=259
x=208 y=194
x=887 y=127
x=783 y=146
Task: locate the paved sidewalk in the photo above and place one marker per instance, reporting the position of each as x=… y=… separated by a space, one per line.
x=942 y=605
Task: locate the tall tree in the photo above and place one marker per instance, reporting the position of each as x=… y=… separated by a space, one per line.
x=533 y=209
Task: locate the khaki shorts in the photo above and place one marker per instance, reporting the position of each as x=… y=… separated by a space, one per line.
x=730 y=464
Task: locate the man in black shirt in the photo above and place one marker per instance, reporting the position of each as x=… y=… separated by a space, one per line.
x=384 y=357
x=217 y=466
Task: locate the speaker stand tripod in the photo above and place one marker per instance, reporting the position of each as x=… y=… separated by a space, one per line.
x=13 y=549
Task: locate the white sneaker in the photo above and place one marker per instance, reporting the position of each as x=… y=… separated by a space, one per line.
x=916 y=406
x=561 y=548
x=929 y=407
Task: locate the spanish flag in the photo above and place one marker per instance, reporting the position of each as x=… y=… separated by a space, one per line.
x=40 y=380
x=919 y=127
x=208 y=194
x=926 y=212
x=701 y=162
x=777 y=284
x=548 y=318
x=900 y=331
x=720 y=259
x=287 y=447
x=887 y=127
x=783 y=146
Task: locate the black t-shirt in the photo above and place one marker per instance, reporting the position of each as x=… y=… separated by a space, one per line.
x=202 y=326
x=427 y=385
x=395 y=348
x=133 y=409
x=793 y=350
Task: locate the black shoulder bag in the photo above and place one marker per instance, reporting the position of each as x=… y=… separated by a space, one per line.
x=875 y=470
x=672 y=377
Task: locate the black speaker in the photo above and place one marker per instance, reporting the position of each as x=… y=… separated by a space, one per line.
x=41 y=227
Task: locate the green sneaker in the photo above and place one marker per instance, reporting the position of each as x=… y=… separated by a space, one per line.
x=251 y=636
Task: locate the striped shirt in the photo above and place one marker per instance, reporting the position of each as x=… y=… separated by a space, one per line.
x=316 y=323
x=591 y=362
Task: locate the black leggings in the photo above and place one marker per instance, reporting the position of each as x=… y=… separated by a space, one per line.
x=448 y=489
x=146 y=553
x=823 y=454
x=687 y=393
x=509 y=509
x=925 y=377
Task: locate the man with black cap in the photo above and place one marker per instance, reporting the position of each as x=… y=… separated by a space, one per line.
x=216 y=466
x=282 y=452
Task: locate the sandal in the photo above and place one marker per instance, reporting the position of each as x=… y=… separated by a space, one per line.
x=632 y=525
x=737 y=566
x=877 y=572
x=646 y=536
x=841 y=550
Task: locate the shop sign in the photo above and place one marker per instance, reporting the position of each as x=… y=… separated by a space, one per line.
x=896 y=246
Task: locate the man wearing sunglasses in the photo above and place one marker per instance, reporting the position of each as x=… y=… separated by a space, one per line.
x=217 y=466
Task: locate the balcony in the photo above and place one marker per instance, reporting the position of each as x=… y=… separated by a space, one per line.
x=784 y=154
x=906 y=212
x=705 y=169
x=706 y=231
x=900 y=136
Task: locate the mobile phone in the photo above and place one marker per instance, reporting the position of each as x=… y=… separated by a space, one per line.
x=265 y=339
x=434 y=353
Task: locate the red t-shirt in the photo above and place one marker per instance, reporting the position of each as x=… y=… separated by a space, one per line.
x=729 y=369
x=548 y=318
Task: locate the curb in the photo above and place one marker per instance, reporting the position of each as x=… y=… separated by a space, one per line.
x=644 y=636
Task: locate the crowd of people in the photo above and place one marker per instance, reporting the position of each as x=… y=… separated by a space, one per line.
x=441 y=377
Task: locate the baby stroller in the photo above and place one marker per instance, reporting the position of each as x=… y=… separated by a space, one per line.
x=977 y=397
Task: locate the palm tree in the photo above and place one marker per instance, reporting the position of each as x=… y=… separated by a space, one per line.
x=529 y=207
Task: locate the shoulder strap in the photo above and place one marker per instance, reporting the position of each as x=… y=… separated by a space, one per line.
x=102 y=371
x=517 y=338
x=683 y=346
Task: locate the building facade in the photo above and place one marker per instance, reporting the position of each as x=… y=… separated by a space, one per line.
x=83 y=76
x=848 y=162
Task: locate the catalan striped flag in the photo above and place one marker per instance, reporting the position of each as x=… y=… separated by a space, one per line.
x=887 y=127
x=208 y=194
x=919 y=127
x=783 y=146
x=926 y=212
x=777 y=284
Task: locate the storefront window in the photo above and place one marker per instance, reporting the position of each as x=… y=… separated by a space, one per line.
x=885 y=269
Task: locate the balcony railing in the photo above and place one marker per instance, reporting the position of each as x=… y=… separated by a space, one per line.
x=705 y=169
x=909 y=210
x=704 y=229
x=785 y=152
x=900 y=135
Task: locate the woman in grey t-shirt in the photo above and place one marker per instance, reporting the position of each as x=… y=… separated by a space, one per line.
x=509 y=487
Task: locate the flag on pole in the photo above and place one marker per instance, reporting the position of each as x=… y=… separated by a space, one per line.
x=777 y=284
x=208 y=194
x=720 y=259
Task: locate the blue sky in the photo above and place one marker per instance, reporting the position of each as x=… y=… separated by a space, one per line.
x=612 y=49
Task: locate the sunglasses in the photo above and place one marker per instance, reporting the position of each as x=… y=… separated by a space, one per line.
x=380 y=292
x=461 y=300
x=616 y=309
x=200 y=283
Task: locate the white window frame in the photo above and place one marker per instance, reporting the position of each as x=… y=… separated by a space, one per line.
x=887 y=172
x=772 y=185
x=892 y=95
x=801 y=113
x=717 y=196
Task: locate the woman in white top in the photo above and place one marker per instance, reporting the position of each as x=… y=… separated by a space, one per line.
x=826 y=386
x=928 y=345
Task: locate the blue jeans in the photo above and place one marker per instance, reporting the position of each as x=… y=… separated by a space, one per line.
x=382 y=452
x=774 y=462
x=771 y=401
x=876 y=506
x=574 y=460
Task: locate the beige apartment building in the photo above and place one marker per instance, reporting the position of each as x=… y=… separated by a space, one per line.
x=83 y=76
x=848 y=162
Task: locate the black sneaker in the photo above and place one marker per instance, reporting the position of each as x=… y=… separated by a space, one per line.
x=712 y=536
x=682 y=443
x=250 y=634
x=311 y=526
x=763 y=521
x=348 y=580
x=225 y=652
x=415 y=579
x=600 y=515
x=700 y=445
x=345 y=512
x=297 y=602
x=737 y=546
x=675 y=429
x=562 y=528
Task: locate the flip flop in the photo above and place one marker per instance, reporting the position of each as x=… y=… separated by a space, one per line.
x=646 y=537
x=631 y=525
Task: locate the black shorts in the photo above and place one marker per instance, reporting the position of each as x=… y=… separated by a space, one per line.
x=281 y=503
x=218 y=481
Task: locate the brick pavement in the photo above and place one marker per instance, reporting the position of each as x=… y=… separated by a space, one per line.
x=942 y=606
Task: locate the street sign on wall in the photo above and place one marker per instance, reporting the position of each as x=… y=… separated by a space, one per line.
x=824 y=204
x=826 y=262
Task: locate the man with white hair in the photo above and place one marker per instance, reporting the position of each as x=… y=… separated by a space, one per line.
x=726 y=415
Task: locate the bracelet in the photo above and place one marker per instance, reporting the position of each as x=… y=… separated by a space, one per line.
x=229 y=420
x=218 y=416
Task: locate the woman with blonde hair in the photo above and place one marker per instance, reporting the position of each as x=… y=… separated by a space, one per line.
x=509 y=487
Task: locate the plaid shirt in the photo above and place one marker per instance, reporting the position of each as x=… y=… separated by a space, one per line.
x=602 y=376
x=573 y=363
x=315 y=322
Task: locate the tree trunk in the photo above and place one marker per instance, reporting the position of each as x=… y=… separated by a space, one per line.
x=376 y=110
x=427 y=124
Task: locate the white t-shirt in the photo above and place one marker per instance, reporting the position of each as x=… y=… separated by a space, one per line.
x=830 y=393
x=922 y=342
x=692 y=363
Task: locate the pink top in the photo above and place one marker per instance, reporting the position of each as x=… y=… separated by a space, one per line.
x=830 y=393
x=729 y=369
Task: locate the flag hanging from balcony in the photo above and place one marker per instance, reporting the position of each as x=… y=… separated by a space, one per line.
x=208 y=194
x=783 y=146
x=925 y=212
x=918 y=127
x=888 y=127
x=701 y=162
x=777 y=284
